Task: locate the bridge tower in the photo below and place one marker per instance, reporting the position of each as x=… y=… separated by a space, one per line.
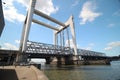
x=58 y=30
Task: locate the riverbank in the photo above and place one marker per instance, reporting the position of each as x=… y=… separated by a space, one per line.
x=21 y=73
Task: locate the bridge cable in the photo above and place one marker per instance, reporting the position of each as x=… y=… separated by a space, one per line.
x=67 y=29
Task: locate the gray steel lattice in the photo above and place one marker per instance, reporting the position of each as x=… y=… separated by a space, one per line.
x=42 y=48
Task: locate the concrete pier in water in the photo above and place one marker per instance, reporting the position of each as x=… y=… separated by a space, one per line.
x=74 y=60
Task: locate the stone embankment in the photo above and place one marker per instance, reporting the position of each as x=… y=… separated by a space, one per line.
x=21 y=73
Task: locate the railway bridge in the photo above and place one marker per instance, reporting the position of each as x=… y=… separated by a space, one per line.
x=59 y=51
x=52 y=54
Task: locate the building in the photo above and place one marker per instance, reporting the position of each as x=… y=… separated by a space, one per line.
x=2 y=22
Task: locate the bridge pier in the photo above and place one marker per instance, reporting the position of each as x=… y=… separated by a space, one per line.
x=63 y=60
x=48 y=60
x=60 y=60
x=21 y=57
x=55 y=60
x=72 y=60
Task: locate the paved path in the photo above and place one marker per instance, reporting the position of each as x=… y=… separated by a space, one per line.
x=21 y=73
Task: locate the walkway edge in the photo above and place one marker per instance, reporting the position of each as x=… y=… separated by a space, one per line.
x=40 y=75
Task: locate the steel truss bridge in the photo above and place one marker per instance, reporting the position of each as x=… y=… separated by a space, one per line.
x=49 y=49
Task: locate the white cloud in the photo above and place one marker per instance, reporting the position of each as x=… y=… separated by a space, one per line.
x=108 y=48
x=111 y=25
x=24 y=3
x=9 y=46
x=46 y=6
x=117 y=13
x=71 y=43
x=75 y=2
x=17 y=41
x=88 y=12
x=91 y=44
x=8 y=2
x=112 y=45
x=89 y=47
x=11 y=13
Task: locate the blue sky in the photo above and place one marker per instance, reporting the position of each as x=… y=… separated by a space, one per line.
x=97 y=23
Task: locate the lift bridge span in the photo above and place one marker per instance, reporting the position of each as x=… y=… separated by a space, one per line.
x=43 y=49
x=48 y=51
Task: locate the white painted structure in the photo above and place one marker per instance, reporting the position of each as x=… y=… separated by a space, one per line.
x=30 y=19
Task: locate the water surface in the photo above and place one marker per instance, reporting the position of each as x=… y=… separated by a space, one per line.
x=89 y=72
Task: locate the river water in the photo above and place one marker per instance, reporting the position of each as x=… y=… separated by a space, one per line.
x=88 y=72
